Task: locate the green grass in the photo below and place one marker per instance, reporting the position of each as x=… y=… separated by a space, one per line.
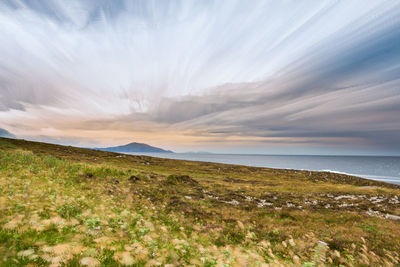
x=62 y=204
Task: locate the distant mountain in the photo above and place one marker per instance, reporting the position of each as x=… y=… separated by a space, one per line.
x=5 y=133
x=135 y=147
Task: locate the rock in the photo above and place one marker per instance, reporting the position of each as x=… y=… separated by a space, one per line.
x=89 y=261
x=133 y=178
x=392 y=217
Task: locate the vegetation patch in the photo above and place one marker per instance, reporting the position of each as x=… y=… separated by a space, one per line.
x=180 y=179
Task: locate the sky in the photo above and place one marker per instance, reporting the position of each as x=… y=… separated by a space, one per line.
x=225 y=76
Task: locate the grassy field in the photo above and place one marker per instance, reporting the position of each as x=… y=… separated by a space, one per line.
x=66 y=206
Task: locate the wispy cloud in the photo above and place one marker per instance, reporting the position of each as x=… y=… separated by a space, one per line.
x=259 y=75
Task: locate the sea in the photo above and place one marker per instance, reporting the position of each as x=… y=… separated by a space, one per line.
x=381 y=168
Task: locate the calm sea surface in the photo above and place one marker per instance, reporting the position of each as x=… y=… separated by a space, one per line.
x=385 y=169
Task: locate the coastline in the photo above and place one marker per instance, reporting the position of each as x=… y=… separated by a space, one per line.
x=221 y=158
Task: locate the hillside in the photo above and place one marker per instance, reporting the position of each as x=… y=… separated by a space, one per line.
x=135 y=148
x=67 y=206
x=5 y=133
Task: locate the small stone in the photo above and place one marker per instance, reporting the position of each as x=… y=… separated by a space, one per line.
x=133 y=178
x=392 y=217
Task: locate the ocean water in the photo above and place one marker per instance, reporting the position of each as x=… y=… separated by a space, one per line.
x=379 y=168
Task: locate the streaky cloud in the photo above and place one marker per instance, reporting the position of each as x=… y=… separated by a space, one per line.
x=302 y=73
